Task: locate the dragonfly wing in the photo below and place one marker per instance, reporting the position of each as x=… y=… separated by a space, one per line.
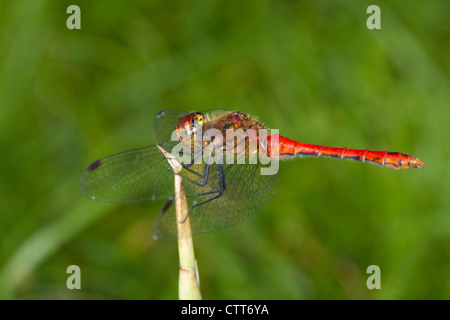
x=129 y=177
x=165 y=122
x=246 y=191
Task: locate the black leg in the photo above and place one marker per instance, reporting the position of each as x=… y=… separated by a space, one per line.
x=222 y=187
x=204 y=176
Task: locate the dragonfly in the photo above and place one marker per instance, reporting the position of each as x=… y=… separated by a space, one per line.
x=222 y=192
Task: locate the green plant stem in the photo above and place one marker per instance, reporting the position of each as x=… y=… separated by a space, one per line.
x=188 y=284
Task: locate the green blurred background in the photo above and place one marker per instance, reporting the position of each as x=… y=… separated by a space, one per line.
x=309 y=68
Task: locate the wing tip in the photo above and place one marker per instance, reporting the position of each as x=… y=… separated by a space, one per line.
x=94 y=165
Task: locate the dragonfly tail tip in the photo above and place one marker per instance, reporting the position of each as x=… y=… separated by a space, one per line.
x=417 y=163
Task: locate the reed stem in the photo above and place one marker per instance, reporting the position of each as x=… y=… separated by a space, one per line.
x=188 y=283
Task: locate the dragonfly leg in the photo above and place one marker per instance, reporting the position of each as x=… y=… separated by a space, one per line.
x=203 y=176
x=188 y=165
x=222 y=187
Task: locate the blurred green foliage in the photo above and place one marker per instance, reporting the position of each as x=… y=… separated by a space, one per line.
x=309 y=68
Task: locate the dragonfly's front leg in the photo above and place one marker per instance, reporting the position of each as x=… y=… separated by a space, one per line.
x=203 y=176
x=222 y=187
x=203 y=183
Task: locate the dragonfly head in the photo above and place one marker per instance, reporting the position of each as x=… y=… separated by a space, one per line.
x=189 y=126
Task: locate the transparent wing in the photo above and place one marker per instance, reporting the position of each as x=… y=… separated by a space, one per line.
x=165 y=122
x=129 y=177
x=246 y=192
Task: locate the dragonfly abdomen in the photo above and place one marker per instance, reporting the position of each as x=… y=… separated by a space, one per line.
x=289 y=148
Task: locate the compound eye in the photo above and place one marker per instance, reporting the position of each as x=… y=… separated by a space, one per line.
x=198 y=119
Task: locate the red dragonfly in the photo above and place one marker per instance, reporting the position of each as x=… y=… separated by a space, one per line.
x=219 y=193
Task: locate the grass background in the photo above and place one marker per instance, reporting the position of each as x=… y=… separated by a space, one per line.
x=309 y=68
